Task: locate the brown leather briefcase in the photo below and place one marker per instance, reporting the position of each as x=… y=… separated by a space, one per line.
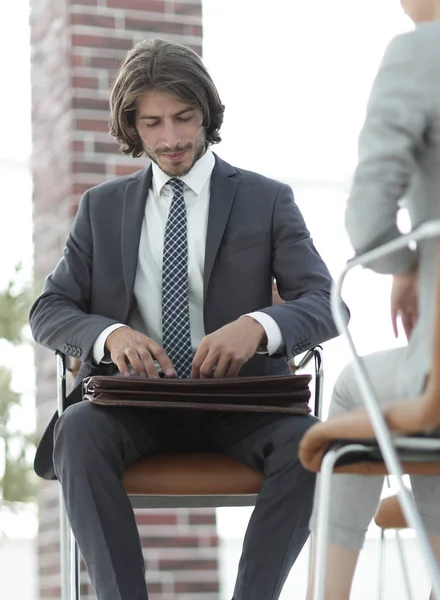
x=285 y=394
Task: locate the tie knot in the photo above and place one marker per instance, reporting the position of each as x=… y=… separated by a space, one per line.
x=176 y=185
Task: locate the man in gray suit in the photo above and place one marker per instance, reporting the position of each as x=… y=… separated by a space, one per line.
x=168 y=272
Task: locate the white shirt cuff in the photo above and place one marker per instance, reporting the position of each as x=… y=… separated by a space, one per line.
x=99 y=345
x=273 y=332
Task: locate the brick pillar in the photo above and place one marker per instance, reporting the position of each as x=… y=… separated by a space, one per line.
x=76 y=46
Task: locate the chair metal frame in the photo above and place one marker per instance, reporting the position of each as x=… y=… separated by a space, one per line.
x=69 y=552
x=389 y=444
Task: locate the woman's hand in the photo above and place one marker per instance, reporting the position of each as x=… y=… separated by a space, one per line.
x=405 y=301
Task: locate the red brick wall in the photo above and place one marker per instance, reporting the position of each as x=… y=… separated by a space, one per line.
x=76 y=46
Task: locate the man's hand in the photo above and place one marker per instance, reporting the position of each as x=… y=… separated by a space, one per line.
x=405 y=301
x=224 y=352
x=127 y=346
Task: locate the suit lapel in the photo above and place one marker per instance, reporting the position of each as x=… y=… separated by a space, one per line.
x=222 y=192
x=135 y=199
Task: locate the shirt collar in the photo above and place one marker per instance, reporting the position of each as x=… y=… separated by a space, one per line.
x=196 y=178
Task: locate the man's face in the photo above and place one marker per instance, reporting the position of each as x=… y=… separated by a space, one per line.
x=171 y=132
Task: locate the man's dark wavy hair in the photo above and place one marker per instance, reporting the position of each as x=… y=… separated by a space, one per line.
x=163 y=67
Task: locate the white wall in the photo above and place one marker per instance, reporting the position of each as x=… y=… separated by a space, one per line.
x=18 y=569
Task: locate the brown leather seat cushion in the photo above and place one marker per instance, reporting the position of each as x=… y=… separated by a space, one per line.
x=191 y=474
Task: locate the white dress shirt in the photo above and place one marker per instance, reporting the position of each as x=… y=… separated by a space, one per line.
x=148 y=282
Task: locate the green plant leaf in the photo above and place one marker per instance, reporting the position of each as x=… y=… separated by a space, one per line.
x=18 y=482
x=14 y=308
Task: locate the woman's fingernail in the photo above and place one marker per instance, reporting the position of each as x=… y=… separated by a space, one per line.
x=126 y=373
x=170 y=373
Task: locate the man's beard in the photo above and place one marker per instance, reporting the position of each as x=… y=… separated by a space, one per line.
x=198 y=148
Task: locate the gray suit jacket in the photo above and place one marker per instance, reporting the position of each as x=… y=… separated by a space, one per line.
x=399 y=156
x=255 y=231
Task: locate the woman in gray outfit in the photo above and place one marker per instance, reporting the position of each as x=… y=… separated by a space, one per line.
x=399 y=156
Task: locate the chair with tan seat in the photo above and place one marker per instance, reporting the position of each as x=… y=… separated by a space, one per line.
x=369 y=441
x=210 y=479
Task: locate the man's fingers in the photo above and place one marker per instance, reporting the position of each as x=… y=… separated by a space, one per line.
x=207 y=369
x=148 y=362
x=198 y=360
x=127 y=346
x=121 y=363
x=164 y=360
x=135 y=361
x=221 y=368
x=227 y=367
x=234 y=368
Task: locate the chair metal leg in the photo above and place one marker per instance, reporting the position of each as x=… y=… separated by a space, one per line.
x=69 y=554
x=64 y=550
x=404 y=566
x=381 y=566
x=317 y=408
x=381 y=569
x=74 y=569
x=65 y=533
x=401 y=555
x=327 y=467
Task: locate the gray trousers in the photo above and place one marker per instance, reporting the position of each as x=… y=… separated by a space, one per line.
x=93 y=445
x=355 y=498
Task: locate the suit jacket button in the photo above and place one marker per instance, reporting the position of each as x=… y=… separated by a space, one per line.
x=78 y=352
x=64 y=348
x=309 y=343
x=69 y=348
x=295 y=350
